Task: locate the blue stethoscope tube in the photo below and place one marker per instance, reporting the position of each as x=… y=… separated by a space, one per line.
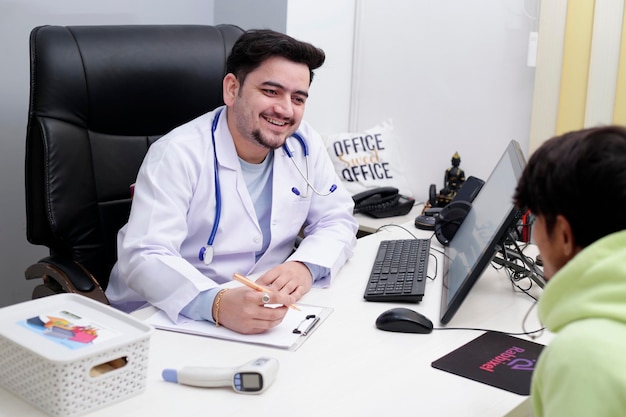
x=206 y=252
x=305 y=149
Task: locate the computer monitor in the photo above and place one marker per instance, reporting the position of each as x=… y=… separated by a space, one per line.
x=484 y=228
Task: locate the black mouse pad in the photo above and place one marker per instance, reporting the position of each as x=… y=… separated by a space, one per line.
x=495 y=359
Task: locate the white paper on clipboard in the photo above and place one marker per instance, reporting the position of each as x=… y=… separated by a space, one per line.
x=281 y=336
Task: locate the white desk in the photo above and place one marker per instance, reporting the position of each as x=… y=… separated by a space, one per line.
x=347 y=367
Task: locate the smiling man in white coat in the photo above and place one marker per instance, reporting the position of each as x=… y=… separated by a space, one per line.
x=229 y=193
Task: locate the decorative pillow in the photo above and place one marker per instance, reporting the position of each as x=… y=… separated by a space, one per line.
x=368 y=159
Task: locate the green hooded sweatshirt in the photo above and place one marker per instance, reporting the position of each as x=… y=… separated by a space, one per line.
x=582 y=372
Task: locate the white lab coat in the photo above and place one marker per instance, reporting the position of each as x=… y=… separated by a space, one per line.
x=173 y=212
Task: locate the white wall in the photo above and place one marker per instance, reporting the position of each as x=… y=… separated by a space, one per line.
x=18 y=17
x=327 y=24
x=451 y=74
x=266 y=14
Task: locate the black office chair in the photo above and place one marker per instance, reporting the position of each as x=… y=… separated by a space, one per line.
x=99 y=97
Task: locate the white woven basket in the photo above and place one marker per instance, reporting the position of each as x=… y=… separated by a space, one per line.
x=66 y=382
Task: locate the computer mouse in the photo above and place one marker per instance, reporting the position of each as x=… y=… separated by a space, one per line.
x=404 y=320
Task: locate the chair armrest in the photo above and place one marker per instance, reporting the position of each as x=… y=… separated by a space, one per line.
x=64 y=276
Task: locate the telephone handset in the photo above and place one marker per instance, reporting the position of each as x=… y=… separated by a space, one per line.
x=382 y=202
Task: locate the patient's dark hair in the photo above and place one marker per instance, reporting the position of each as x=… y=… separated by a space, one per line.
x=255 y=46
x=582 y=176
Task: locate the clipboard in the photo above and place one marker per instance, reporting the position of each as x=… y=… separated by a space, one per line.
x=290 y=334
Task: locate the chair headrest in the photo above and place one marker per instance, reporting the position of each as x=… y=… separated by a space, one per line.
x=130 y=79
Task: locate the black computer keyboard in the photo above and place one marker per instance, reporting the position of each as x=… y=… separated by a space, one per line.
x=399 y=271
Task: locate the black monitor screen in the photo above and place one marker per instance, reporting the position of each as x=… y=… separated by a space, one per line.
x=477 y=239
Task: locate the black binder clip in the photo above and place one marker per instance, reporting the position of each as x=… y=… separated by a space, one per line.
x=306 y=325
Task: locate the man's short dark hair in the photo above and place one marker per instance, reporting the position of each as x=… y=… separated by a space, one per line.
x=256 y=45
x=580 y=175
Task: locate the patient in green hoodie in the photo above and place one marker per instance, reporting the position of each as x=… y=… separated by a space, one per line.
x=575 y=185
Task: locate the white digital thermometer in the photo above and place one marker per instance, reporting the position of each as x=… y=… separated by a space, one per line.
x=253 y=377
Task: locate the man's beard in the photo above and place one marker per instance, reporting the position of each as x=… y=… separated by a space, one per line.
x=259 y=139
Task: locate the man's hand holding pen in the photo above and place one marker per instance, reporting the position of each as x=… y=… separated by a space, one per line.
x=290 y=277
x=257 y=287
x=243 y=309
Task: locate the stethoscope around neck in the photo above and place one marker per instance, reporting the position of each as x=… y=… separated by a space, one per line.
x=206 y=252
